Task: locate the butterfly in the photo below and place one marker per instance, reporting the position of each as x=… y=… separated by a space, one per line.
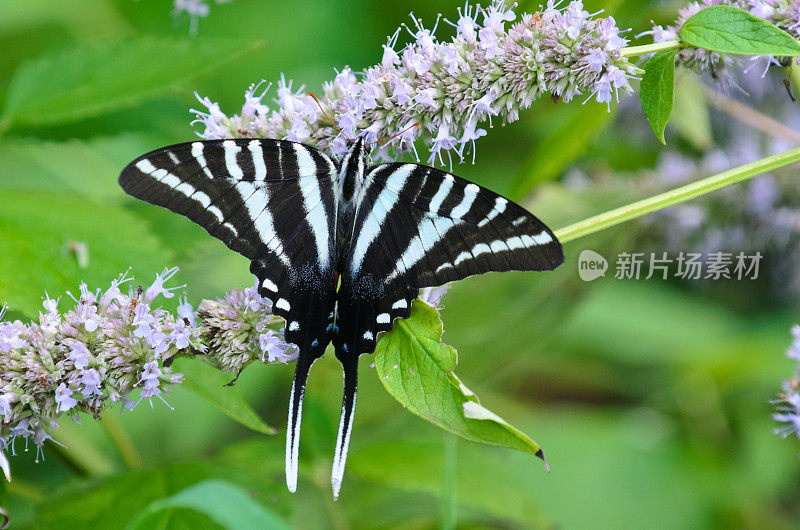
x=341 y=246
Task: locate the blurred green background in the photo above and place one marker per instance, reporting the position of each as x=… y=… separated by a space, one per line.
x=651 y=398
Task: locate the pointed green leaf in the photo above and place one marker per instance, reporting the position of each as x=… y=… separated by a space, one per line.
x=417 y=370
x=212 y=385
x=733 y=30
x=656 y=90
x=223 y=502
x=91 y=80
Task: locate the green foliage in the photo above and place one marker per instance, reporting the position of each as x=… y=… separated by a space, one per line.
x=656 y=90
x=561 y=147
x=652 y=399
x=214 y=386
x=36 y=229
x=140 y=499
x=416 y=368
x=691 y=118
x=733 y=30
x=224 y=503
x=91 y=80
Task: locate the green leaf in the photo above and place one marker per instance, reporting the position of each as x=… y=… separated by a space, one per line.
x=485 y=482
x=690 y=117
x=733 y=30
x=36 y=229
x=212 y=385
x=91 y=80
x=561 y=147
x=416 y=368
x=657 y=90
x=86 y=168
x=114 y=501
x=223 y=502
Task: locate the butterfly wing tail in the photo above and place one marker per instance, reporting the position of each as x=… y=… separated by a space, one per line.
x=304 y=363
x=350 y=366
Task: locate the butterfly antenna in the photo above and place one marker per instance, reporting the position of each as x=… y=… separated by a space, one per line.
x=328 y=117
x=415 y=124
x=295 y=416
x=350 y=366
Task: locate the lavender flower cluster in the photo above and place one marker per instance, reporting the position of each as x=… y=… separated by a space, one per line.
x=240 y=328
x=110 y=344
x=788 y=403
x=449 y=89
x=783 y=13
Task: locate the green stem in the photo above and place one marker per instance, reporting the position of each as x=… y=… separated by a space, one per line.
x=682 y=194
x=449 y=495
x=635 y=51
x=793 y=71
x=122 y=443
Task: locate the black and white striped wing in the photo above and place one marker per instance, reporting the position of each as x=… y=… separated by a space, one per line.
x=273 y=202
x=269 y=200
x=420 y=227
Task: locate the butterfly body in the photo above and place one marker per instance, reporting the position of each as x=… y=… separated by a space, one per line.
x=341 y=248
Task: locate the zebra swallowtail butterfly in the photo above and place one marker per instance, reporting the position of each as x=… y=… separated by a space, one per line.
x=342 y=248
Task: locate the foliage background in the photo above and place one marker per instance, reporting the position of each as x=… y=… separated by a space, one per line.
x=650 y=398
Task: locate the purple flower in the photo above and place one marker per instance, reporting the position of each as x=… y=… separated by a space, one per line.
x=79 y=355
x=427 y=97
x=157 y=288
x=596 y=60
x=142 y=319
x=50 y=305
x=390 y=57
x=495 y=16
x=64 y=398
x=609 y=32
x=157 y=340
x=90 y=379
x=433 y=295
x=186 y=312
x=6 y=398
x=11 y=334
x=467 y=26
x=180 y=335
x=271 y=345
